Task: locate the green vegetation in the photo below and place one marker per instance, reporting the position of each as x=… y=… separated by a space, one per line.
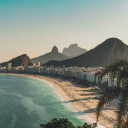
x=62 y=123
x=119 y=70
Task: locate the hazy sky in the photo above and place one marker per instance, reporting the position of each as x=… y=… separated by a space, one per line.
x=35 y=26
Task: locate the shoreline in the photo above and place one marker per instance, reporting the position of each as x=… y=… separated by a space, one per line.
x=68 y=91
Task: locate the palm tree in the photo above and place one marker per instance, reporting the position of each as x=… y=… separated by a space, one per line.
x=119 y=70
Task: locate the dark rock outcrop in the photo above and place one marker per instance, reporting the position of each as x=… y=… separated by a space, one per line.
x=22 y=60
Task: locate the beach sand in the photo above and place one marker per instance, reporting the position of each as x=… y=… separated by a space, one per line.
x=82 y=99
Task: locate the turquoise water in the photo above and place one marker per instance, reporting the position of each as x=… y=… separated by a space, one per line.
x=26 y=103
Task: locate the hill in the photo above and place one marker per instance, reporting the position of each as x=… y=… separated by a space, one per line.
x=105 y=53
x=22 y=60
x=53 y=55
x=73 y=50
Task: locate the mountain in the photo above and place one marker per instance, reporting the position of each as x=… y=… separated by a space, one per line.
x=73 y=50
x=105 y=53
x=22 y=60
x=53 y=55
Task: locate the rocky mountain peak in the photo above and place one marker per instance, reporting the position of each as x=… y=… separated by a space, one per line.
x=22 y=60
x=54 y=49
x=102 y=55
x=73 y=50
x=73 y=46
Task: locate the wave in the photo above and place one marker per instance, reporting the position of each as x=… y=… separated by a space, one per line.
x=13 y=121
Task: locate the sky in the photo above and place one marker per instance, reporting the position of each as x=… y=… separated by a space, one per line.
x=33 y=27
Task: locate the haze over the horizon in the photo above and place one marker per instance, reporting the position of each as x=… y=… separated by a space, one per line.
x=35 y=26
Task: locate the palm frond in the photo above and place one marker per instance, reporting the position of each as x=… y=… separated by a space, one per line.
x=122 y=76
x=118 y=69
x=126 y=123
x=114 y=67
x=122 y=107
x=109 y=94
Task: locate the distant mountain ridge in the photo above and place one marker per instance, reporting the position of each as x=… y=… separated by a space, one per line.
x=105 y=53
x=22 y=60
x=73 y=50
x=53 y=55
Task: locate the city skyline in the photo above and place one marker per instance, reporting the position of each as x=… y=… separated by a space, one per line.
x=34 y=27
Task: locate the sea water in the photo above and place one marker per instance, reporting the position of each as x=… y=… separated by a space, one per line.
x=27 y=102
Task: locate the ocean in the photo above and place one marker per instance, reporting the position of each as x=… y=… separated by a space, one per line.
x=27 y=102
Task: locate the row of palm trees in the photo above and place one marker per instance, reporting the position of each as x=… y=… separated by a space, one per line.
x=119 y=70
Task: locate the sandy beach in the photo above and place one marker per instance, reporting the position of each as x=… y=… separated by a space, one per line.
x=82 y=98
